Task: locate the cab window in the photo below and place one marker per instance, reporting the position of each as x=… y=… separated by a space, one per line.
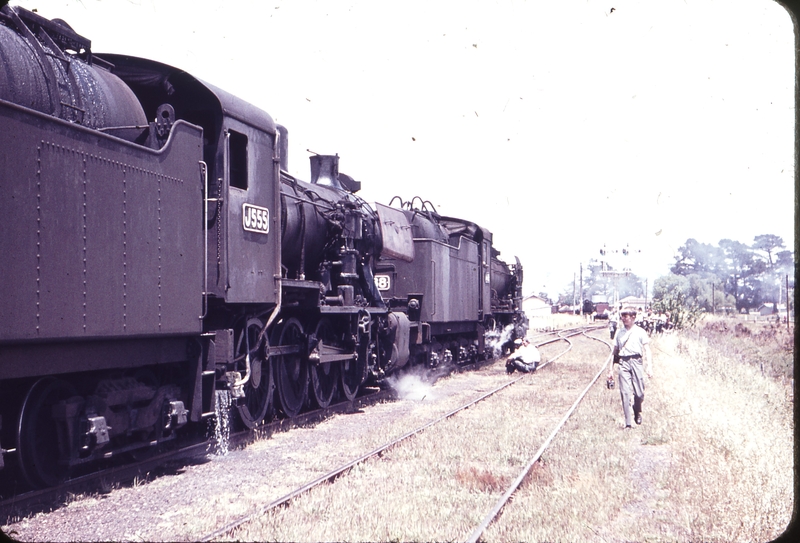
x=238 y=159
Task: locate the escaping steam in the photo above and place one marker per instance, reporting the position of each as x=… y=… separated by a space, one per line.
x=495 y=339
x=411 y=387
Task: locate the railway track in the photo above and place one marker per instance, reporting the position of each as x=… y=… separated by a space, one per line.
x=229 y=528
x=24 y=505
x=495 y=512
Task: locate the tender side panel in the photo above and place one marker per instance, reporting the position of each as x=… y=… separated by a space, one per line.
x=446 y=275
x=464 y=296
x=100 y=238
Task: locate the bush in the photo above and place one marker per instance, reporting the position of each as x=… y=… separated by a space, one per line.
x=769 y=347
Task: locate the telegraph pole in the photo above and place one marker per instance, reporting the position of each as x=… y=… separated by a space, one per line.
x=573 y=288
x=713 y=298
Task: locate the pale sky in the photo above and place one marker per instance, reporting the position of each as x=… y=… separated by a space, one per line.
x=561 y=126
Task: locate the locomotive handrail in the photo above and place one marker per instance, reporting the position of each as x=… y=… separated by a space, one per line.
x=311 y=198
x=204 y=173
x=276 y=161
x=226 y=172
x=433 y=285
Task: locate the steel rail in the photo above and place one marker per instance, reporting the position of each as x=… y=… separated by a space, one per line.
x=331 y=475
x=559 y=355
x=493 y=514
x=335 y=473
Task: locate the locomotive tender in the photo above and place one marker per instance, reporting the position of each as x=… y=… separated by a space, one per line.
x=154 y=251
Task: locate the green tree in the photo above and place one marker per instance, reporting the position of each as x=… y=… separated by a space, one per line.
x=751 y=275
x=742 y=265
x=671 y=295
x=699 y=258
x=769 y=244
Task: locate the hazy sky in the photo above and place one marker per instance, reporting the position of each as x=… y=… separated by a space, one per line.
x=561 y=126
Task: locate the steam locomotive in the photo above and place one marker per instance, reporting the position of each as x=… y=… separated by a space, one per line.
x=154 y=251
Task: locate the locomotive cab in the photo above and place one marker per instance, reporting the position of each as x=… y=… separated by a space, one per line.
x=241 y=153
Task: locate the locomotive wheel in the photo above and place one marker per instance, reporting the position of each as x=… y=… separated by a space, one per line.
x=324 y=377
x=258 y=391
x=353 y=374
x=37 y=433
x=291 y=370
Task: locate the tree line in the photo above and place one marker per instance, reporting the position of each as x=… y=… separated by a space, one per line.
x=731 y=275
x=727 y=277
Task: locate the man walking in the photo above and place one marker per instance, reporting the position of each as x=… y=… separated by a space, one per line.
x=631 y=352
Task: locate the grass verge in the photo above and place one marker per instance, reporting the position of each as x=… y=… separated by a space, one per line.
x=712 y=460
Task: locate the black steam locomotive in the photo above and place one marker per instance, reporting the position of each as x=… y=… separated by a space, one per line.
x=146 y=265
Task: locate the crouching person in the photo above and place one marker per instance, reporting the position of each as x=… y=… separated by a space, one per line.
x=525 y=358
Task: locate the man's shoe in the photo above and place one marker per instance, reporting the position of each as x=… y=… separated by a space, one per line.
x=628 y=427
x=638 y=418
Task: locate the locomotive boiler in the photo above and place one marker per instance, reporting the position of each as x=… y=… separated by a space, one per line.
x=156 y=253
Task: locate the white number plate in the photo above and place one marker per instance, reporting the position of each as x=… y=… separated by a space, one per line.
x=383 y=282
x=255 y=219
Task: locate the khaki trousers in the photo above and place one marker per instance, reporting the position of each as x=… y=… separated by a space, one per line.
x=631 y=387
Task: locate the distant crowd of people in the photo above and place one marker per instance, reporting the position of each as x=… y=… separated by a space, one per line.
x=649 y=321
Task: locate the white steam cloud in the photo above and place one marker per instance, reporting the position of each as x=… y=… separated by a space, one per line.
x=411 y=387
x=495 y=339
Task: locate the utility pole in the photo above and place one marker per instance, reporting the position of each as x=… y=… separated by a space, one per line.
x=713 y=298
x=573 y=288
x=581 y=296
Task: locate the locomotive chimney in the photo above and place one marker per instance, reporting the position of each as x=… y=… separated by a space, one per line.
x=325 y=170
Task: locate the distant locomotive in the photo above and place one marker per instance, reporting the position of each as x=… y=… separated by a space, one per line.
x=146 y=265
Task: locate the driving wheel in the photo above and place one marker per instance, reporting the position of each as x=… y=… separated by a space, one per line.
x=324 y=377
x=291 y=369
x=258 y=390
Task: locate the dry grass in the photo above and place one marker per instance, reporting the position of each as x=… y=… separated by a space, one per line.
x=712 y=461
x=767 y=345
x=438 y=485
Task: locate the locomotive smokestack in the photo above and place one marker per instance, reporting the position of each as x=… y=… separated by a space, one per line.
x=325 y=170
